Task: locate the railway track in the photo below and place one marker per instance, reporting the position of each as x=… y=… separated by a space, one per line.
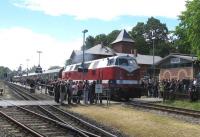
x=181 y=111
x=62 y=116
x=12 y=128
x=71 y=120
x=39 y=125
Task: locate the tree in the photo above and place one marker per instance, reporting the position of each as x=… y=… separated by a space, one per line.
x=90 y=42
x=190 y=26
x=101 y=38
x=4 y=71
x=112 y=36
x=137 y=34
x=143 y=36
x=181 y=43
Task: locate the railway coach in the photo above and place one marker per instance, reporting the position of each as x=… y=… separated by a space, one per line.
x=118 y=73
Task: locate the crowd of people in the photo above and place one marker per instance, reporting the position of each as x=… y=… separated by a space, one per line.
x=167 y=88
x=72 y=91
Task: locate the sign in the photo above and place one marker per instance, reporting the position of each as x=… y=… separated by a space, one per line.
x=175 y=60
x=98 y=88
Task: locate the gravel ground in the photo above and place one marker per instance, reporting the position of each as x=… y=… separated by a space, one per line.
x=8 y=94
x=3 y=133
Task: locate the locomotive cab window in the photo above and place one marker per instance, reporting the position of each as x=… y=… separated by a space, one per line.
x=110 y=62
x=122 y=62
x=132 y=62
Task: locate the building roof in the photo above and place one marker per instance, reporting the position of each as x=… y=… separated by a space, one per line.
x=123 y=36
x=52 y=71
x=100 y=50
x=144 y=59
x=178 y=55
x=75 y=52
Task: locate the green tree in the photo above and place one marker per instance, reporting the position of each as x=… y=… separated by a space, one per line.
x=4 y=72
x=190 y=26
x=145 y=34
x=112 y=36
x=137 y=34
x=181 y=44
x=158 y=31
x=101 y=38
x=90 y=42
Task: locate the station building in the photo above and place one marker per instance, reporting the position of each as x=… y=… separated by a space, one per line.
x=122 y=45
x=178 y=66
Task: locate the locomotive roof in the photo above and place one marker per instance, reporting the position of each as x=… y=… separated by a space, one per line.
x=100 y=62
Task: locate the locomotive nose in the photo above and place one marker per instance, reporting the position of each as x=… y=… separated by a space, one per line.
x=131 y=69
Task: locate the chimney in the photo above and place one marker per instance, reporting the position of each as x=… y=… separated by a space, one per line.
x=135 y=52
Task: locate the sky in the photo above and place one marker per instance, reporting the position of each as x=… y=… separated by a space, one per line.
x=55 y=26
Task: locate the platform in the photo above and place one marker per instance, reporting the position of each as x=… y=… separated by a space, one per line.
x=5 y=103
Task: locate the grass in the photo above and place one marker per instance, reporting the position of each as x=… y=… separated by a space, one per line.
x=138 y=123
x=183 y=104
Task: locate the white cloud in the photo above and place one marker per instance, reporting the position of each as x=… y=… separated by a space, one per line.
x=17 y=44
x=105 y=9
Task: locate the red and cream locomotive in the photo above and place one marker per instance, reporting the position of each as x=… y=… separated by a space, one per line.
x=118 y=73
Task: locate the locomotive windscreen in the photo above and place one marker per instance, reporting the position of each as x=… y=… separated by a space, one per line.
x=125 y=62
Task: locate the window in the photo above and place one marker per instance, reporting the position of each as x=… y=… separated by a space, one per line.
x=87 y=65
x=121 y=62
x=110 y=62
x=77 y=66
x=132 y=62
x=70 y=68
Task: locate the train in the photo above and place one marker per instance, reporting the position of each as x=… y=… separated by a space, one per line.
x=119 y=74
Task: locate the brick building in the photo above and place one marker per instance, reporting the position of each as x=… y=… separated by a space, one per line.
x=177 y=66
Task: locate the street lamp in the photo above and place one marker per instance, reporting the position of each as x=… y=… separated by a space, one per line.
x=83 y=61
x=84 y=31
x=153 y=38
x=39 y=52
x=27 y=60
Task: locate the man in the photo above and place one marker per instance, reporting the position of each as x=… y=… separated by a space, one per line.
x=86 y=91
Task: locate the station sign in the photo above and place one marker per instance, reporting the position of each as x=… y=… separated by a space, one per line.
x=98 y=88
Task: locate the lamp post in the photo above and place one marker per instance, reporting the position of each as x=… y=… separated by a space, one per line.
x=39 y=52
x=153 y=38
x=83 y=65
x=27 y=60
